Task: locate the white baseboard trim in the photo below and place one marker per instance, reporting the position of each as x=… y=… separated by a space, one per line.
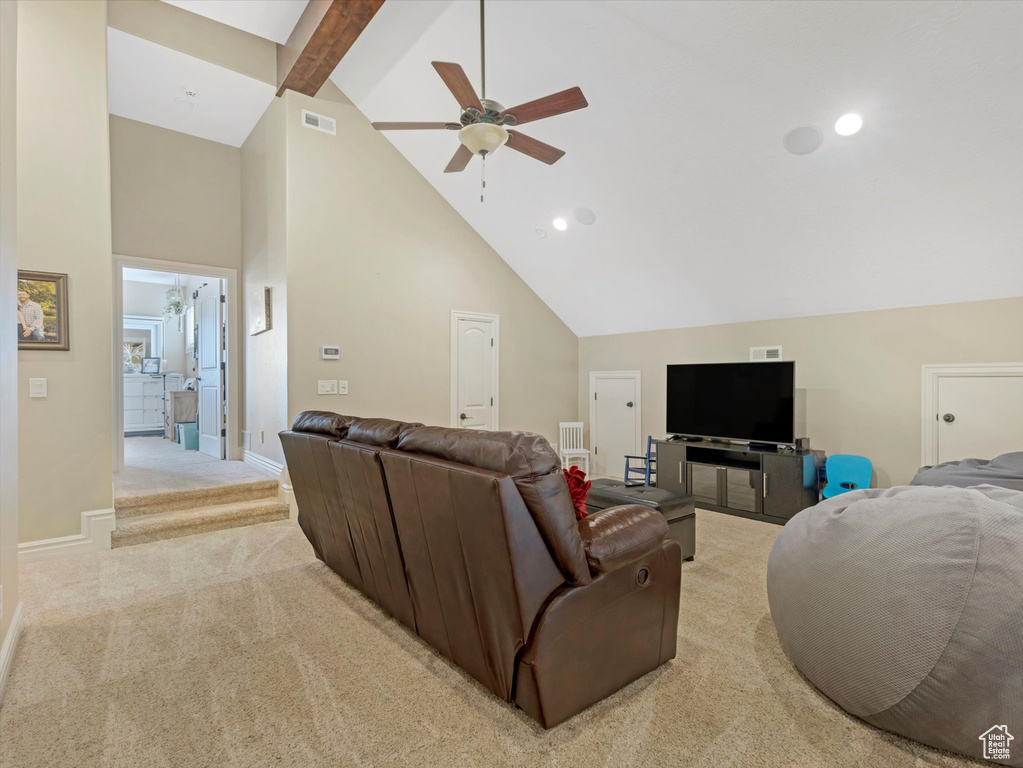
x=272 y=468
x=95 y=537
x=289 y=498
x=8 y=648
x=263 y=463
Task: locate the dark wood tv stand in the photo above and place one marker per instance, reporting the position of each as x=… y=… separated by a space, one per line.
x=764 y=483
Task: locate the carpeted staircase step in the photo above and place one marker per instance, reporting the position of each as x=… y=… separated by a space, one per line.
x=158 y=503
x=154 y=526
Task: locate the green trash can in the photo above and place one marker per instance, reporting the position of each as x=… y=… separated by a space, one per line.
x=188 y=435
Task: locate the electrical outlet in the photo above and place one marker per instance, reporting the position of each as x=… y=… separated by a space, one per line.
x=326 y=387
x=342 y=387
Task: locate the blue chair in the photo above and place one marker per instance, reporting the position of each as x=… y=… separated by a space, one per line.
x=648 y=468
x=846 y=473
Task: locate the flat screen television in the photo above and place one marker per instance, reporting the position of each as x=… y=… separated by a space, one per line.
x=752 y=402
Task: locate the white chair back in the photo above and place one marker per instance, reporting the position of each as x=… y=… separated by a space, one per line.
x=570 y=435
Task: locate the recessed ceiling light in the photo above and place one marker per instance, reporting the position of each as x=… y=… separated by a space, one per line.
x=560 y=224
x=849 y=124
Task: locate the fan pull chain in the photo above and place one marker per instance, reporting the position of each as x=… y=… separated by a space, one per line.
x=483 y=175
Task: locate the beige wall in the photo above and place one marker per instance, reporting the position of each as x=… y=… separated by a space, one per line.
x=174 y=197
x=861 y=371
x=376 y=261
x=8 y=343
x=65 y=440
x=264 y=252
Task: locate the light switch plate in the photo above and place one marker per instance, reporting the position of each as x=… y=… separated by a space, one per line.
x=326 y=387
x=37 y=387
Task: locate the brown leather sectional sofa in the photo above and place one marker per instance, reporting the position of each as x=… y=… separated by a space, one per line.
x=470 y=540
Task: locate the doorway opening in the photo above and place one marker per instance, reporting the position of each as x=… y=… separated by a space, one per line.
x=176 y=390
x=175 y=366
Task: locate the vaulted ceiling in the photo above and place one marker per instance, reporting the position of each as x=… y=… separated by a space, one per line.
x=702 y=216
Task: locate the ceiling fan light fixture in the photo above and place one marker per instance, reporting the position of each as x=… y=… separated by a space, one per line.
x=483 y=137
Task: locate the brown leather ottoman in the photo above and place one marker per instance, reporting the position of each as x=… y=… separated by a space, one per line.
x=678 y=509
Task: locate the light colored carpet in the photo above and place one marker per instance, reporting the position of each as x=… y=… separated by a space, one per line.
x=154 y=465
x=238 y=648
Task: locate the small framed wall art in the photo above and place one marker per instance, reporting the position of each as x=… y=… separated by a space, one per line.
x=260 y=319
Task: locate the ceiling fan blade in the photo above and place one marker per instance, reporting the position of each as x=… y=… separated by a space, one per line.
x=548 y=106
x=460 y=160
x=454 y=78
x=545 y=153
x=414 y=126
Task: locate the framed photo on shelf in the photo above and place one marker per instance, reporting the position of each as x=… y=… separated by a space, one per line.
x=150 y=365
x=42 y=311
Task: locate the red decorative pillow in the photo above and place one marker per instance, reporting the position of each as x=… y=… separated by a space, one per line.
x=579 y=488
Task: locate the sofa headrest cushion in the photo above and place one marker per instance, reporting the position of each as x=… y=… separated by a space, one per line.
x=322 y=423
x=536 y=469
x=380 y=432
x=518 y=454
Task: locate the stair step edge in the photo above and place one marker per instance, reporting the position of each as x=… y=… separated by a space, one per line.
x=145 y=532
x=204 y=497
x=234 y=507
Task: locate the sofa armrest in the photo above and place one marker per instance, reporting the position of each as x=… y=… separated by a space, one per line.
x=620 y=535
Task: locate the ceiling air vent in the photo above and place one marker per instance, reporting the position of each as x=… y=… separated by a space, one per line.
x=319 y=122
x=759 y=354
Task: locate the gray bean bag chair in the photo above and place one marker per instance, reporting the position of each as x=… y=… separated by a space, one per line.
x=1005 y=471
x=904 y=606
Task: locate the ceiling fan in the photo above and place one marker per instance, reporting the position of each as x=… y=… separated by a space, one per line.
x=481 y=128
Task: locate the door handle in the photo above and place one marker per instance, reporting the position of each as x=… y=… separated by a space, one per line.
x=765 y=485
x=628 y=404
x=949 y=418
x=462 y=416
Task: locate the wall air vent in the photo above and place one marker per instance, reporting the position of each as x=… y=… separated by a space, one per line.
x=319 y=122
x=760 y=354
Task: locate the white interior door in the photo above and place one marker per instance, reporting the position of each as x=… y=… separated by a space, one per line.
x=979 y=417
x=474 y=371
x=210 y=374
x=614 y=421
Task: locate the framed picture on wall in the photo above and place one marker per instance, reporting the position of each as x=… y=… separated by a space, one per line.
x=42 y=311
x=260 y=319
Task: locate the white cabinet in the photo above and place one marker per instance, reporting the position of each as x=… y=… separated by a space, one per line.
x=144 y=400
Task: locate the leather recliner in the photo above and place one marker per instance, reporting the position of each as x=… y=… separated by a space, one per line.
x=469 y=538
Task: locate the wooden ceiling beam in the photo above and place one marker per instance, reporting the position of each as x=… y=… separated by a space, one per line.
x=322 y=36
